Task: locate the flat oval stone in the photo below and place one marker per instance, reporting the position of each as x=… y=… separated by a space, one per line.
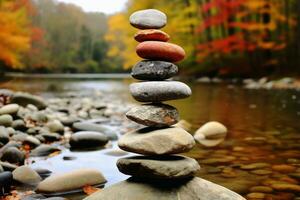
x=148 y=19
x=26 y=175
x=9 y=109
x=151 y=35
x=166 y=167
x=154 y=70
x=154 y=115
x=155 y=50
x=71 y=181
x=157 y=91
x=87 y=140
x=151 y=141
x=193 y=189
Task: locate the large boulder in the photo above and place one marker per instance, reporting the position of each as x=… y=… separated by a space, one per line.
x=192 y=189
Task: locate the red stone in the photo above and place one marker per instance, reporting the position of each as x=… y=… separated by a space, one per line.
x=151 y=35
x=154 y=50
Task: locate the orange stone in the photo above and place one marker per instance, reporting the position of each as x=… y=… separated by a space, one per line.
x=151 y=35
x=163 y=51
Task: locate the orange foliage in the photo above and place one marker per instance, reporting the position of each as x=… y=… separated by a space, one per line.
x=14 y=32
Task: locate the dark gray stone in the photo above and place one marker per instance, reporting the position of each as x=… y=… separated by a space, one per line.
x=6 y=180
x=148 y=19
x=157 y=91
x=156 y=167
x=51 y=137
x=154 y=115
x=13 y=155
x=8 y=166
x=88 y=140
x=24 y=99
x=154 y=70
x=44 y=173
x=19 y=124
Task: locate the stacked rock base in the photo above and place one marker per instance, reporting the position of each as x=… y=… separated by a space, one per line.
x=158 y=173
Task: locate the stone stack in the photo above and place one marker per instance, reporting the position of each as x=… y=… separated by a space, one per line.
x=158 y=173
x=159 y=140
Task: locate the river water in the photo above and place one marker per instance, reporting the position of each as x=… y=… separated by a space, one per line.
x=263 y=128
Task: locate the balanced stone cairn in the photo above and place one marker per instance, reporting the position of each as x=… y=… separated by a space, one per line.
x=158 y=173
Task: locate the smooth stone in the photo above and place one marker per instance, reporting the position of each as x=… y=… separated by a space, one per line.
x=155 y=167
x=6 y=180
x=157 y=91
x=264 y=189
x=151 y=141
x=24 y=99
x=88 y=140
x=256 y=195
x=155 y=50
x=148 y=19
x=13 y=155
x=283 y=168
x=151 y=35
x=26 y=175
x=4 y=137
x=8 y=166
x=286 y=187
x=19 y=124
x=6 y=120
x=253 y=166
x=33 y=197
x=211 y=134
x=55 y=126
x=31 y=141
x=44 y=173
x=9 y=109
x=154 y=70
x=51 y=137
x=87 y=126
x=44 y=150
x=71 y=181
x=154 y=115
x=193 y=189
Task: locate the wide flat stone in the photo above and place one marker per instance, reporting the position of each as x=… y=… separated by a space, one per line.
x=192 y=189
x=88 y=140
x=154 y=115
x=151 y=35
x=154 y=70
x=89 y=126
x=156 y=50
x=148 y=19
x=156 y=167
x=157 y=91
x=149 y=141
x=24 y=99
x=71 y=181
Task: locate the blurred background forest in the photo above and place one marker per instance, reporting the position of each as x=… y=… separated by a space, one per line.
x=227 y=38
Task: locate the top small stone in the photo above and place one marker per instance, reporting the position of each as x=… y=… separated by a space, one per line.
x=148 y=19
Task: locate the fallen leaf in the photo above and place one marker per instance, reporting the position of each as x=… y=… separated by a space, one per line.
x=90 y=189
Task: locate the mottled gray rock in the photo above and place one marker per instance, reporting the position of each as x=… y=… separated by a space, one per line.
x=19 y=124
x=154 y=70
x=193 y=189
x=149 y=141
x=87 y=126
x=71 y=181
x=13 y=155
x=44 y=150
x=26 y=175
x=148 y=19
x=88 y=140
x=155 y=167
x=6 y=120
x=24 y=99
x=157 y=91
x=4 y=137
x=9 y=109
x=154 y=115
